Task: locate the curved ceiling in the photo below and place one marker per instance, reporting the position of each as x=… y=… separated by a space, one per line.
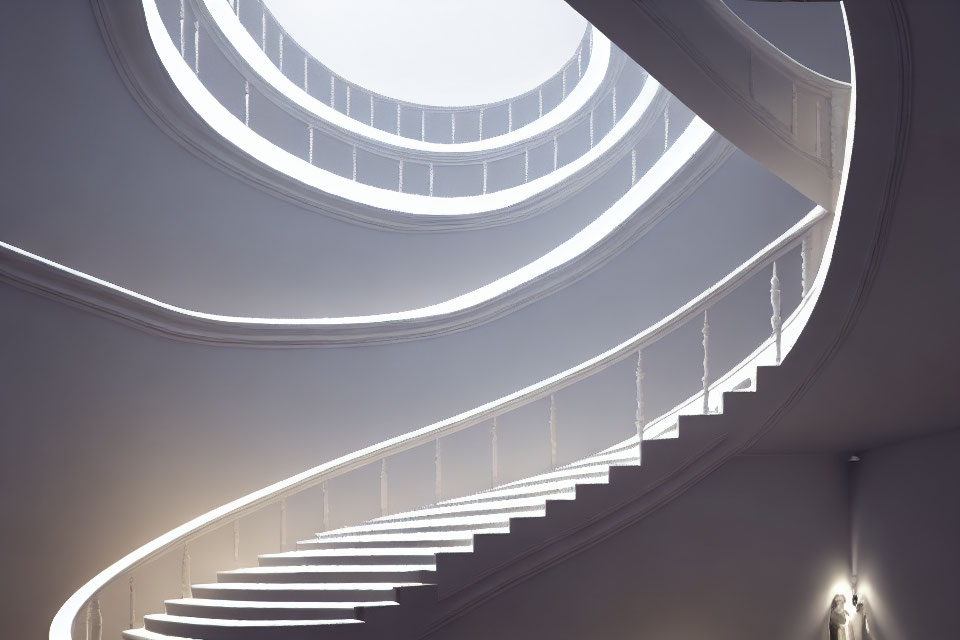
x=440 y=52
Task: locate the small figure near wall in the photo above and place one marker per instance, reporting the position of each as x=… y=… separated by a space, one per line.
x=838 y=618
x=859 y=628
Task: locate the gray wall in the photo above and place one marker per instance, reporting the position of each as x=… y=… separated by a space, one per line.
x=905 y=537
x=750 y=552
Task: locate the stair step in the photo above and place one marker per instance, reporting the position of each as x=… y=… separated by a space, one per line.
x=504 y=506
x=220 y=629
x=412 y=539
x=357 y=556
x=423 y=573
x=143 y=634
x=464 y=523
x=267 y=610
x=301 y=592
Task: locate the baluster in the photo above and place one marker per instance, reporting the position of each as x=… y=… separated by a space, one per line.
x=563 y=84
x=509 y=117
x=185 y=589
x=591 y=128
x=280 y=52
x=540 y=102
x=371 y=109
x=183 y=42
x=706 y=363
x=580 y=62
x=354 y=157
x=132 y=622
x=326 y=507
x=423 y=125
x=400 y=176
x=348 y=100
x=553 y=431
x=236 y=543
x=484 y=176
x=494 y=462
x=310 y=143
x=431 y=178
x=306 y=72
x=526 y=165
x=383 y=487
x=633 y=167
x=196 y=47
x=438 y=477
x=398 y=118
x=94 y=620
x=806 y=264
x=776 y=322
x=666 y=128
x=453 y=127
x=333 y=91
x=613 y=105
x=283 y=524
x=246 y=102
x=640 y=420
x=556 y=152
x=480 y=135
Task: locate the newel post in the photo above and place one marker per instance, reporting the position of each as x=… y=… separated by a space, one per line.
x=185 y=590
x=94 y=619
x=132 y=622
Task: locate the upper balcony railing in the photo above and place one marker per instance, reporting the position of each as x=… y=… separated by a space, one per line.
x=166 y=561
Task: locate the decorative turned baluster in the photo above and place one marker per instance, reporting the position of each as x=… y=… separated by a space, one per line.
x=423 y=125
x=540 y=102
x=263 y=27
x=580 y=63
x=706 y=363
x=563 y=84
x=431 y=178
x=776 y=322
x=398 y=118
x=348 y=101
x=526 y=165
x=383 y=487
x=354 y=156
x=494 y=462
x=438 y=471
x=132 y=622
x=400 y=177
x=333 y=92
x=371 y=109
x=310 y=144
x=246 y=102
x=484 y=176
x=306 y=72
x=183 y=42
x=480 y=135
x=806 y=263
x=640 y=421
x=453 y=127
x=556 y=152
x=185 y=589
x=236 y=543
x=509 y=117
x=613 y=105
x=666 y=128
x=553 y=432
x=326 y=507
x=196 y=47
x=94 y=620
x=591 y=129
x=283 y=524
x=280 y=48
x=633 y=167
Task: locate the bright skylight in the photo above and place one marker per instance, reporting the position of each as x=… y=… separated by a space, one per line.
x=441 y=52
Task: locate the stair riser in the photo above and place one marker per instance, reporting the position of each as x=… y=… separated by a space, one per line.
x=430 y=528
x=414 y=516
x=330 y=576
x=204 y=632
x=258 y=613
x=294 y=561
x=385 y=544
x=295 y=595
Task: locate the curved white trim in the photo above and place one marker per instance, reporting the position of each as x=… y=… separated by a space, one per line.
x=227 y=24
x=653 y=194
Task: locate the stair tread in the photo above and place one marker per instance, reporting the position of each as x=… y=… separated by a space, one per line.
x=332 y=568
x=410 y=535
x=368 y=551
x=308 y=586
x=278 y=604
x=226 y=622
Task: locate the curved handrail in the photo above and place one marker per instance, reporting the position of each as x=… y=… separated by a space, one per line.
x=244 y=52
x=63 y=621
